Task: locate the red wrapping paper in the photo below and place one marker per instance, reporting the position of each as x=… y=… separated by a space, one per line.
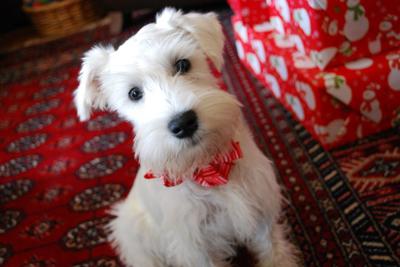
x=251 y=12
x=338 y=105
x=335 y=31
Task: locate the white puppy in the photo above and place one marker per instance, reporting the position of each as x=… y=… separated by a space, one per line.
x=211 y=187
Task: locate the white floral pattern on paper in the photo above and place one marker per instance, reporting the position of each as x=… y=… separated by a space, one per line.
x=239 y=49
x=332 y=131
x=241 y=30
x=356 y=23
x=295 y=104
x=359 y=64
x=273 y=85
x=370 y=106
x=337 y=86
x=259 y=49
x=305 y=90
x=283 y=8
x=318 y=4
x=323 y=57
x=254 y=63
x=279 y=64
x=394 y=75
x=303 y=20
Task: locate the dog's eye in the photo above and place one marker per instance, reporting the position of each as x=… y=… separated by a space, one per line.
x=182 y=66
x=135 y=93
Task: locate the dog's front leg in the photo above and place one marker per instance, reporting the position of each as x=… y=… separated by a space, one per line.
x=186 y=252
x=131 y=235
x=272 y=249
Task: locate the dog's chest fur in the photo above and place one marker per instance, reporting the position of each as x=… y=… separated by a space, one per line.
x=199 y=215
x=219 y=217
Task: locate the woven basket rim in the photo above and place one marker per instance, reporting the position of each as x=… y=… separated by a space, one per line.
x=50 y=6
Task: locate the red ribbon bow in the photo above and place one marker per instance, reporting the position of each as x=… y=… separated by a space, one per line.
x=214 y=174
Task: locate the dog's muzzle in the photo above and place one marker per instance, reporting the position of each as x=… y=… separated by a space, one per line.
x=184 y=125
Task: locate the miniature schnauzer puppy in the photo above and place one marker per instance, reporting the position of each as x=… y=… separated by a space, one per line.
x=203 y=185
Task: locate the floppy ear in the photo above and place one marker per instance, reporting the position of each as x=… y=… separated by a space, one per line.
x=205 y=28
x=88 y=95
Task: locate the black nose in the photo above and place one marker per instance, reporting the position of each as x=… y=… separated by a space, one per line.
x=184 y=124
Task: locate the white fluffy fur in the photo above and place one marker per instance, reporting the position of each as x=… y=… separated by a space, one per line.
x=186 y=225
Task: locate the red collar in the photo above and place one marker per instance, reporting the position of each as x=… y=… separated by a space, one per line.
x=214 y=174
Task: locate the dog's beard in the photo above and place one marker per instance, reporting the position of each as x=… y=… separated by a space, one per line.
x=159 y=151
x=181 y=157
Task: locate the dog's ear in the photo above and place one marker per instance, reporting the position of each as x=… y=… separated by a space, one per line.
x=89 y=95
x=205 y=28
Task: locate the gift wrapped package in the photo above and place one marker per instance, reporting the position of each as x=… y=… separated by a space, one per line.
x=337 y=105
x=332 y=32
x=251 y=12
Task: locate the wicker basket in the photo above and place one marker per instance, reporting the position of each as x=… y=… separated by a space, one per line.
x=60 y=18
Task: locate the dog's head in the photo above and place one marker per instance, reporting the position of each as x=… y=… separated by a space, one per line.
x=161 y=81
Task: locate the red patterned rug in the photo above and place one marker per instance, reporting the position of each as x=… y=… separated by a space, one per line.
x=58 y=176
